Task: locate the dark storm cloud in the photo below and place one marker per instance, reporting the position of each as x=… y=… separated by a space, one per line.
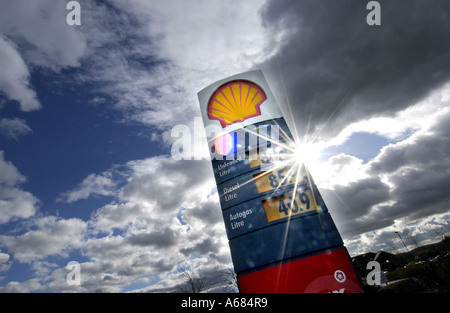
x=430 y=149
x=337 y=67
x=418 y=170
x=207 y=246
x=351 y=205
x=162 y=239
x=207 y=212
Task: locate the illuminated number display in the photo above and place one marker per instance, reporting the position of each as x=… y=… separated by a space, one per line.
x=276 y=179
x=284 y=206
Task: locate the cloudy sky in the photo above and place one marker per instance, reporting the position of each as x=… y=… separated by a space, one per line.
x=86 y=113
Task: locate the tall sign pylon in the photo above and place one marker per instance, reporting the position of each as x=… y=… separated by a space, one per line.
x=281 y=235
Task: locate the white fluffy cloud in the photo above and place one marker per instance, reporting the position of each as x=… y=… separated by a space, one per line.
x=12 y=128
x=207 y=39
x=33 y=34
x=160 y=217
x=93 y=185
x=52 y=236
x=42 y=24
x=173 y=49
x=5 y=262
x=15 y=203
x=41 y=27
x=14 y=77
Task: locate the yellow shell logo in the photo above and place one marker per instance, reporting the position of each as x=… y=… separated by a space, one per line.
x=235 y=102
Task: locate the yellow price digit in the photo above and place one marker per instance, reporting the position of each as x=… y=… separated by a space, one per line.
x=271 y=180
x=284 y=206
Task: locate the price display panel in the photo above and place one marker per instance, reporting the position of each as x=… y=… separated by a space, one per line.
x=278 y=178
x=272 y=183
x=301 y=202
x=262 y=212
x=262 y=159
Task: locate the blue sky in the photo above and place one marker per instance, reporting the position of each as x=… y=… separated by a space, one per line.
x=86 y=114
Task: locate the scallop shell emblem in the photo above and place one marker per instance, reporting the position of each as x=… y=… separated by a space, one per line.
x=235 y=102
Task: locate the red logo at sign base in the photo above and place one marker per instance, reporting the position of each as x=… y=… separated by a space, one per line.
x=326 y=272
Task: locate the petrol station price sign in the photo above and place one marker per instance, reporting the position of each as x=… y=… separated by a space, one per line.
x=281 y=235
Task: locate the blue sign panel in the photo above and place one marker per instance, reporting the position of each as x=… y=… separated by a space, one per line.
x=257 y=183
x=262 y=158
x=266 y=211
x=292 y=238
